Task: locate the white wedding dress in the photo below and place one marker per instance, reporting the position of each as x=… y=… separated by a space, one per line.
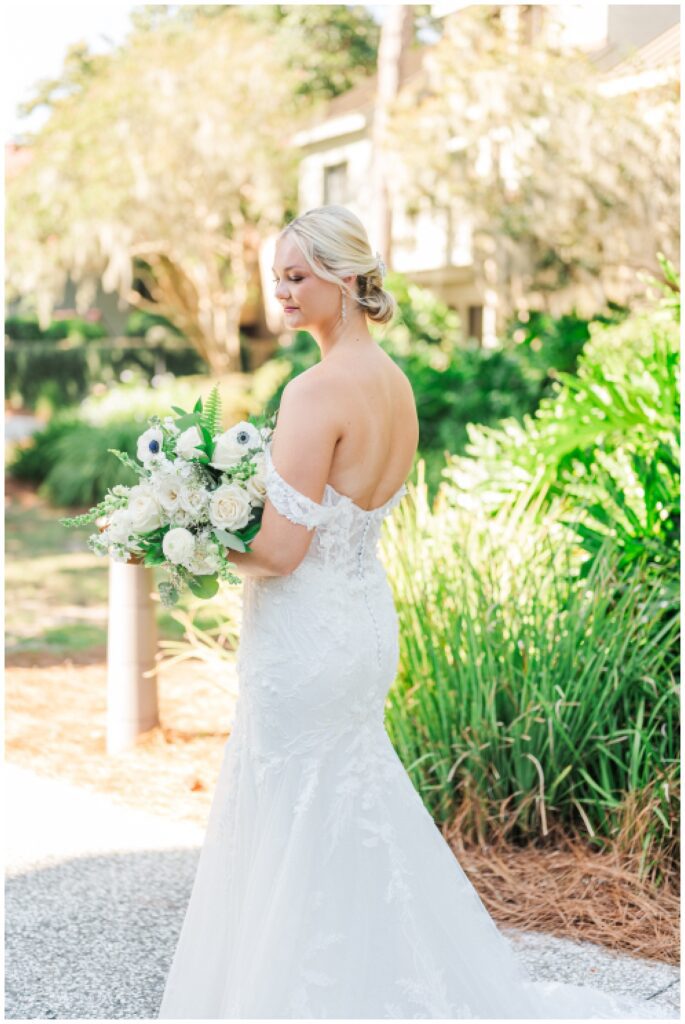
x=324 y=889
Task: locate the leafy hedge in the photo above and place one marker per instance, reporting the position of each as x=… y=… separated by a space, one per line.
x=70 y=460
x=607 y=440
x=27 y=328
x=43 y=371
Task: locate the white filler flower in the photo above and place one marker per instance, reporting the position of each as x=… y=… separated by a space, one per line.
x=178 y=545
x=229 y=507
x=181 y=518
x=150 y=445
x=188 y=443
x=256 y=485
x=169 y=488
x=206 y=559
x=194 y=499
x=233 y=444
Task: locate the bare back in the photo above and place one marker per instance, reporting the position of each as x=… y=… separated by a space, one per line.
x=378 y=423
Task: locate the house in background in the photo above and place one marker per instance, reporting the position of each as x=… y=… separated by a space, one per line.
x=634 y=46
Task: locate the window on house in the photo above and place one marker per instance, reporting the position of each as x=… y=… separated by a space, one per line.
x=475 y=322
x=335 y=184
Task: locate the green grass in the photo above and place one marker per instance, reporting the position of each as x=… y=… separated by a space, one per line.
x=64 y=640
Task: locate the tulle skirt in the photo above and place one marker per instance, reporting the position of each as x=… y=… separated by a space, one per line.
x=324 y=889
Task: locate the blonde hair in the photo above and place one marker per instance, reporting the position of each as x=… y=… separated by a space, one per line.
x=334 y=243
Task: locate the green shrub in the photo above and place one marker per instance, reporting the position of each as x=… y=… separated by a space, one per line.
x=607 y=439
x=528 y=699
x=546 y=345
x=43 y=372
x=26 y=328
x=624 y=394
x=139 y=322
x=34 y=460
x=71 y=462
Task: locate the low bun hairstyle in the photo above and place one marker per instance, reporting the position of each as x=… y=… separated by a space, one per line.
x=334 y=243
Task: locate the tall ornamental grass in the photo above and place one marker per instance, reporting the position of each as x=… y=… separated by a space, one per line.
x=530 y=699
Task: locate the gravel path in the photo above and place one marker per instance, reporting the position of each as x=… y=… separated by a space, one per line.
x=95 y=895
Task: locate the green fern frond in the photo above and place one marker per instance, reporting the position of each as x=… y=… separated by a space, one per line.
x=211 y=414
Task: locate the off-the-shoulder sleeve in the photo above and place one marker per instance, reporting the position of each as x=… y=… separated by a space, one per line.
x=289 y=502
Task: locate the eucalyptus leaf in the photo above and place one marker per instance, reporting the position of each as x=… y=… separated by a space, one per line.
x=204 y=586
x=229 y=539
x=189 y=420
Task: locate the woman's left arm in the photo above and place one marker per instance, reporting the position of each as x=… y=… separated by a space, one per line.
x=303 y=442
x=257 y=561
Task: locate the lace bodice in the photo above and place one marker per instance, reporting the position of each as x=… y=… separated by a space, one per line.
x=346 y=534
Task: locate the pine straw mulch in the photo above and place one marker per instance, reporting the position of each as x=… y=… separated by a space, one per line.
x=56 y=725
x=575 y=892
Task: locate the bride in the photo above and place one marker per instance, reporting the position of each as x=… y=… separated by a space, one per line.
x=324 y=889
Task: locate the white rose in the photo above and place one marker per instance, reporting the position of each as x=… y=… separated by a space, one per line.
x=229 y=507
x=181 y=517
x=143 y=509
x=194 y=500
x=150 y=445
x=120 y=526
x=233 y=444
x=256 y=485
x=187 y=443
x=169 y=487
x=178 y=545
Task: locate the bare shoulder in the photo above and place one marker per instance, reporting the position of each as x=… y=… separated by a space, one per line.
x=316 y=384
x=310 y=397
x=331 y=374
x=323 y=388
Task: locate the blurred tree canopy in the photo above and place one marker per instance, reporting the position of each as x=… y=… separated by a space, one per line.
x=563 y=184
x=164 y=162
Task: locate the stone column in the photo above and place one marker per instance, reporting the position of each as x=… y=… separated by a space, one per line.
x=132 y=703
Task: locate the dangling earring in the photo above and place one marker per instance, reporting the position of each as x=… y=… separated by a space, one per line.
x=344 y=314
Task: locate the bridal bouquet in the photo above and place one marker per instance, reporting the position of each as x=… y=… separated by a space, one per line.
x=200 y=492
